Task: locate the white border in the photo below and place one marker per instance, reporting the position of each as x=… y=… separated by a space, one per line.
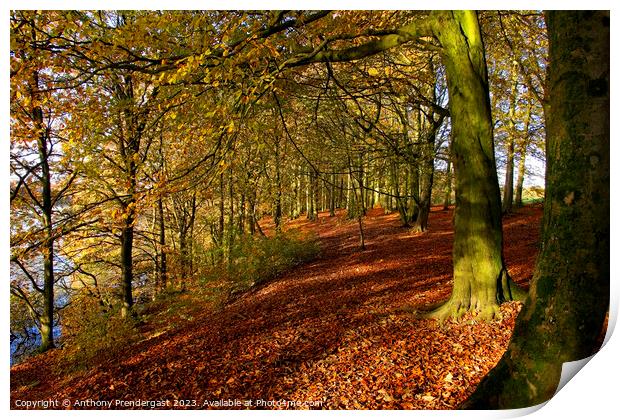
x=591 y=394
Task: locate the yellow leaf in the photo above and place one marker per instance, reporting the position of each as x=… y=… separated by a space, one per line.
x=373 y=72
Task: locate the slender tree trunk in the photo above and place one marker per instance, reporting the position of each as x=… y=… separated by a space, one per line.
x=349 y=203
x=510 y=147
x=384 y=198
x=315 y=194
x=332 y=196
x=183 y=257
x=377 y=187
x=401 y=203
x=296 y=195
x=421 y=222
x=480 y=278
x=508 y=182
x=241 y=215
x=189 y=236
x=46 y=318
x=231 y=216
x=427 y=168
x=447 y=198
x=413 y=210
x=163 y=266
x=309 y=199
x=129 y=145
x=569 y=295
x=191 y=250
x=303 y=192
x=360 y=225
x=127 y=233
x=520 y=178
x=322 y=195
x=156 y=272
x=362 y=185
x=222 y=212
x=356 y=208
x=251 y=213
x=341 y=193
x=523 y=154
x=277 y=205
x=277 y=212
x=127 y=266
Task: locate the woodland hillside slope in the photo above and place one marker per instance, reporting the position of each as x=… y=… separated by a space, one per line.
x=341 y=331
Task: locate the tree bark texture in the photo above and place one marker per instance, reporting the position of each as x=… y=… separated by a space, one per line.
x=569 y=295
x=480 y=278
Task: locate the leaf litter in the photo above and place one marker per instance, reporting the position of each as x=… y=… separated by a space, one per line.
x=340 y=331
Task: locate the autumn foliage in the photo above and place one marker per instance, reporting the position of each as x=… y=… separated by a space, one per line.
x=305 y=209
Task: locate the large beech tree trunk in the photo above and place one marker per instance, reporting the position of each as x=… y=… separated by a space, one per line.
x=481 y=281
x=569 y=296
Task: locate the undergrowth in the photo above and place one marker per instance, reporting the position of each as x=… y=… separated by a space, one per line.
x=252 y=261
x=94 y=332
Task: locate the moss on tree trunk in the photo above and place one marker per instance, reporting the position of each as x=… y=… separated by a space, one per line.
x=479 y=271
x=569 y=296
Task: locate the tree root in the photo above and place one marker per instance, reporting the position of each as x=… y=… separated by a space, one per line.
x=455 y=309
x=510 y=289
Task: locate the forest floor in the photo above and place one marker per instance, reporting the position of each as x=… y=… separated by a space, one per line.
x=339 y=332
